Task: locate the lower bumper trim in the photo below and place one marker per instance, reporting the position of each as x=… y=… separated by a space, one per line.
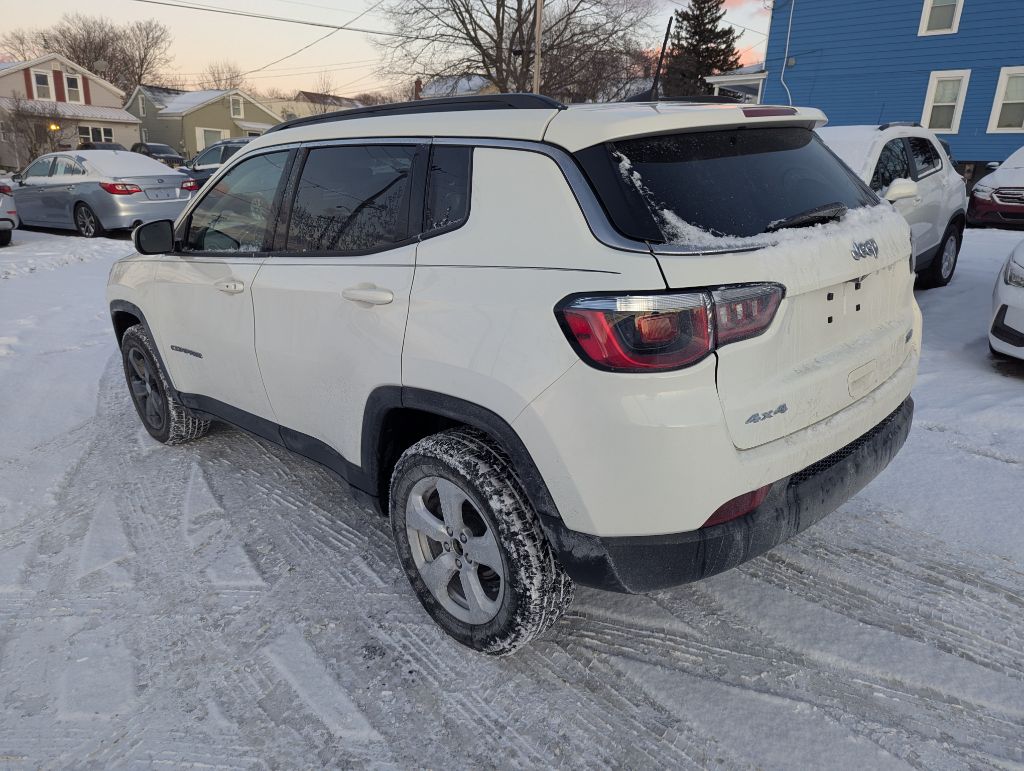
x=1002 y=331
x=646 y=563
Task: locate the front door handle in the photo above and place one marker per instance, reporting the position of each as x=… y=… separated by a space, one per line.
x=369 y=294
x=230 y=286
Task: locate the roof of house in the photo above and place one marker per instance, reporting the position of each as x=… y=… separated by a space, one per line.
x=330 y=100
x=454 y=86
x=173 y=102
x=67 y=63
x=73 y=111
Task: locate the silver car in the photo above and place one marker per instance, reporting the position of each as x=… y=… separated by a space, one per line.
x=93 y=191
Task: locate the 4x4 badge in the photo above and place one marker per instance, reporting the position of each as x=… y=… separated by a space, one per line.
x=863 y=249
x=757 y=417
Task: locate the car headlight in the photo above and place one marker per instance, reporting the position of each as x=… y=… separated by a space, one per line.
x=1014 y=275
x=984 y=192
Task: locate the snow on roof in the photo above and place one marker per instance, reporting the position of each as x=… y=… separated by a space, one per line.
x=454 y=86
x=182 y=102
x=852 y=144
x=73 y=111
x=121 y=163
x=5 y=65
x=1016 y=160
x=159 y=95
x=332 y=100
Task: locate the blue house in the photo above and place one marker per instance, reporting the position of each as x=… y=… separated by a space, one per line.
x=955 y=66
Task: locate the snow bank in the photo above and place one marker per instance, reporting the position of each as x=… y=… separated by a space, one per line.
x=32 y=251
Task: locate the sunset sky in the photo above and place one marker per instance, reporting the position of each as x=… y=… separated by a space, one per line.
x=351 y=59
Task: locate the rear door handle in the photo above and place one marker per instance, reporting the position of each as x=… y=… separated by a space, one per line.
x=369 y=294
x=230 y=286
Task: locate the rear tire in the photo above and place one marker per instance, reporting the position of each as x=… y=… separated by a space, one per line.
x=5 y=237
x=165 y=418
x=87 y=223
x=472 y=545
x=940 y=272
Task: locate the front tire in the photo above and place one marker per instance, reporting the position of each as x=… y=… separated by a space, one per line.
x=941 y=270
x=472 y=545
x=87 y=223
x=165 y=418
x=5 y=237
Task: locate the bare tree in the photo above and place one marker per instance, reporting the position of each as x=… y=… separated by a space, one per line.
x=37 y=128
x=324 y=85
x=125 y=54
x=385 y=96
x=586 y=43
x=223 y=74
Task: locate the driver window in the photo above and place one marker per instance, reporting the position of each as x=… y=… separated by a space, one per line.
x=40 y=168
x=893 y=163
x=209 y=157
x=351 y=199
x=234 y=215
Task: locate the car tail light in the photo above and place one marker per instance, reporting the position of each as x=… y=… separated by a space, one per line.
x=665 y=330
x=120 y=188
x=6 y=190
x=190 y=184
x=738 y=506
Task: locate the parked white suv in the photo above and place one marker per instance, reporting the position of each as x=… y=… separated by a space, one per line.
x=8 y=211
x=624 y=345
x=908 y=165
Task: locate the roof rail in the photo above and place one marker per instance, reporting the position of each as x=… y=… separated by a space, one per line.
x=447 y=104
x=911 y=123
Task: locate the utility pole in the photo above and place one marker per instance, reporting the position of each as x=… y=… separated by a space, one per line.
x=536 y=53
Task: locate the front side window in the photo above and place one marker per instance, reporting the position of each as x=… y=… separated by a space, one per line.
x=926 y=157
x=945 y=100
x=893 y=163
x=447 y=204
x=691 y=187
x=940 y=17
x=74 y=88
x=235 y=215
x=40 y=168
x=1008 y=108
x=43 y=88
x=229 y=150
x=210 y=157
x=351 y=199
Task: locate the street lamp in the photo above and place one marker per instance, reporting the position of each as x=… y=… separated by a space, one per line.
x=54 y=127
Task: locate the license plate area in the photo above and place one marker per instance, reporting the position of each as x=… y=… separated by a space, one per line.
x=160 y=193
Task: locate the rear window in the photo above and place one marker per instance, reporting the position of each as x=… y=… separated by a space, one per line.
x=687 y=187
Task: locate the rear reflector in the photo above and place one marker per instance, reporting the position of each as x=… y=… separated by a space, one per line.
x=6 y=190
x=738 y=506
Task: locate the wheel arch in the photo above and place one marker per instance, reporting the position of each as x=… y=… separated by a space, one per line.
x=959 y=222
x=396 y=417
x=123 y=315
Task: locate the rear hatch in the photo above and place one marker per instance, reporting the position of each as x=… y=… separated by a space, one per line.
x=731 y=207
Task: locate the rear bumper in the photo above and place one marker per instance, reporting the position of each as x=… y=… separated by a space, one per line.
x=7 y=223
x=125 y=211
x=1006 y=330
x=646 y=563
x=992 y=212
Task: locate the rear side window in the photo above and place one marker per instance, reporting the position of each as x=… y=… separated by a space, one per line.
x=234 y=215
x=734 y=183
x=352 y=198
x=893 y=163
x=230 y=150
x=448 y=188
x=926 y=157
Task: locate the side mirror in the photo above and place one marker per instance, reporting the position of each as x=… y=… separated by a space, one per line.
x=154 y=237
x=16 y=177
x=994 y=165
x=900 y=189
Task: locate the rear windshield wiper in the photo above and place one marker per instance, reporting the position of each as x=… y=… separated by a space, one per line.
x=815 y=216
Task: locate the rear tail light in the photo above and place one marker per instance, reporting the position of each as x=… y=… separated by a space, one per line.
x=190 y=184
x=6 y=190
x=120 y=188
x=666 y=330
x=738 y=506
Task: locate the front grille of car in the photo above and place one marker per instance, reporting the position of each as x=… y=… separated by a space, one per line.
x=1010 y=195
x=843 y=453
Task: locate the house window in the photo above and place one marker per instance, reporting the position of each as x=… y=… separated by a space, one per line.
x=944 y=101
x=95 y=134
x=74 y=88
x=940 y=17
x=236 y=107
x=145 y=135
x=142 y=106
x=42 y=83
x=3 y=131
x=1008 y=108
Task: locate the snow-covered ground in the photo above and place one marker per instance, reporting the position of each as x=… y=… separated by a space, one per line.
x=228 y=604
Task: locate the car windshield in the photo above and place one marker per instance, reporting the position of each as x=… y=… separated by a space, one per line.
x=701 y=186
x=162 y=149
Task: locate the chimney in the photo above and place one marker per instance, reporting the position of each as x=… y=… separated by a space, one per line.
x=417 y=89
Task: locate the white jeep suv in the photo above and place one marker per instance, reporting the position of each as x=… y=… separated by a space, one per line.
x=624 y=345
x=908 y=165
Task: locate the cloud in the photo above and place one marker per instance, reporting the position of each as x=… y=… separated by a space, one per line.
x=753 y=7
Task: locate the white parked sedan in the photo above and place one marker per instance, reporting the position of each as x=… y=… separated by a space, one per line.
x=8 y=211
x=1006 y=333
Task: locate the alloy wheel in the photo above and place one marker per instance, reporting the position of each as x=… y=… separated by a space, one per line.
x=948 y=257
x=455 y=550
x=86 y=221
x=146 y=390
